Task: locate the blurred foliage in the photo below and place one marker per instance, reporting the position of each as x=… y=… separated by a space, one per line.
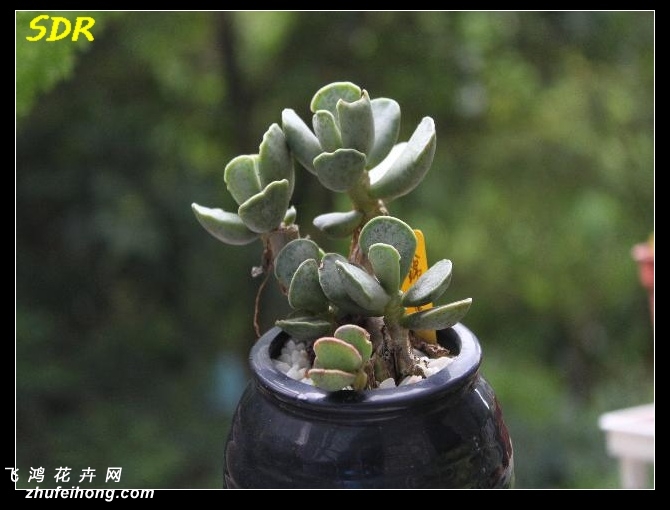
x=133 y=325
x=40 y=65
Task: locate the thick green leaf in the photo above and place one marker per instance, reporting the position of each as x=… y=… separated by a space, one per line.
x=326 y=130
x=409 y=169
x=337 y=354
x=241 y=178
x=338 y=224
x=305 y=328
x=265 y=211
x=289 y=217
x=390 y=230
x=331 y=380
x=225 y=226
x=303 y=143
x=291 y=256
x=430 y=285
x=376 y=172
x=386 y=114
x=357 y=125
x=305 y=291
x=332 y=285
x=274 y=159
x=440 y=317
x=326 y=97
x=385 y=261
x=356 y=336
x=363 y=288
x=340 y=170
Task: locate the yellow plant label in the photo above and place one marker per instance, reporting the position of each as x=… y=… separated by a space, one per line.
x=418 y=267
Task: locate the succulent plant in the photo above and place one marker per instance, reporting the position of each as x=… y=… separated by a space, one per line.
x=341 y=359
x=351 y=308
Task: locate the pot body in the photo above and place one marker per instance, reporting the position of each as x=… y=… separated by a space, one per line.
x=446 y=431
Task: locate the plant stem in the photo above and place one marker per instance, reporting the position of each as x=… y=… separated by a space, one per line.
x=370 y=207
x=399 y=348
x=273 y=242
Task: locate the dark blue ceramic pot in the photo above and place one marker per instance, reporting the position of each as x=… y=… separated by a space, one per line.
x=446 y=431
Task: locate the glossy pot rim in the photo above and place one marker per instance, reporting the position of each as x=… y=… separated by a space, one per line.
x=276 y=385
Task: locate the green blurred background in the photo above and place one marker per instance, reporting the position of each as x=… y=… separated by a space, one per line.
x=133 y=324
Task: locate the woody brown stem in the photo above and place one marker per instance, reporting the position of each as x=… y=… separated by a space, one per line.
x=399 y=349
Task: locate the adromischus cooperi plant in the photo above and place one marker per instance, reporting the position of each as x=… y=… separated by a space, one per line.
x=350 y=308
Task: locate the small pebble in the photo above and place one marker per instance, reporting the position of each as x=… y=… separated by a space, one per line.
x=387 y=383
x=438 y=364
x=296 y=373
x=410 y=380
x=282 y=367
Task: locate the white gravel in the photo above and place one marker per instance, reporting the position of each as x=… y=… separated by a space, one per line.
x=294 y=362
